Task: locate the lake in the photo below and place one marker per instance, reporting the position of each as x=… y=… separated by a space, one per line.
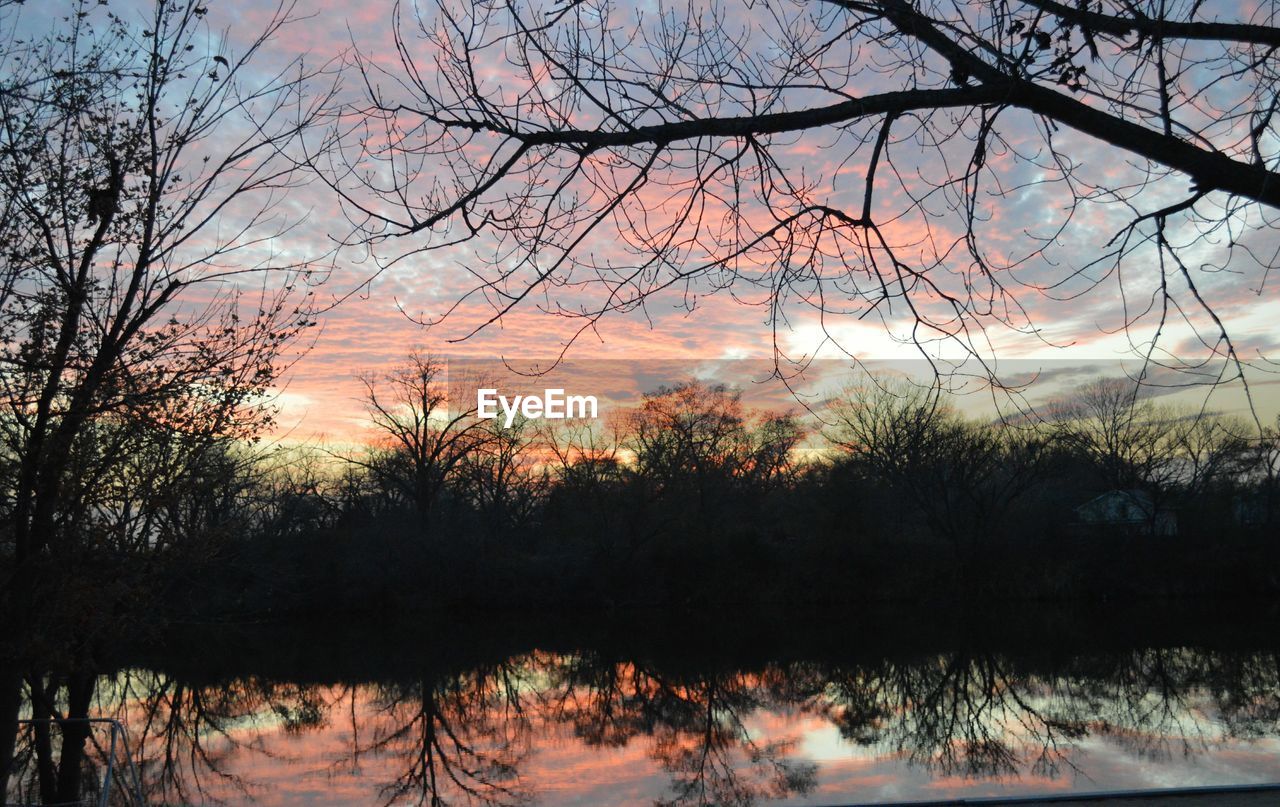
x=719 y=708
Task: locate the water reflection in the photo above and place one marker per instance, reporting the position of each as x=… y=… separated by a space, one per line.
x=552 y=727
x=695 y=724
x=457 y=735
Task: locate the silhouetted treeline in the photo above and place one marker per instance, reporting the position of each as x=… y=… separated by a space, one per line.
x=689 y=499
x=692 y=499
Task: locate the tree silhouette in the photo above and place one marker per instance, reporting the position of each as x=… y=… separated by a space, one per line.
x=145 y=306
x=963 y=477
x=939 y=162
x=141 y=285
x=426 y=436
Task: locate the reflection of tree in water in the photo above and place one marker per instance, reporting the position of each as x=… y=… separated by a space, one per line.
x=1246 y=688
x=956 y=714
x=1162 y=703
x=184 y=733
x=56 y=746
x=458 y=737
x=697 y=723
x=989 y=716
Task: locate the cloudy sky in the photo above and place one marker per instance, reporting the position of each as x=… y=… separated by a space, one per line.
x=1077 y=332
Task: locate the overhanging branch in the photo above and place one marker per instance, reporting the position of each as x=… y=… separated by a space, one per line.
x=895 y=103
x=1162 y=29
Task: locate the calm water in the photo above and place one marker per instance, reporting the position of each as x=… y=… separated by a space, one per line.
x=676 y=712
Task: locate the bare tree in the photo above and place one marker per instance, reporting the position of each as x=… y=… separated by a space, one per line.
x=715 y=143
x=1120 y=432
x=1133 y=442
x=502 y=477
x=963 y=477
x=586 y=458
x=688 y=434
x=1210 y=451
x=426 y=436
x=699 y=435
x=141 y=173
x=146 y=305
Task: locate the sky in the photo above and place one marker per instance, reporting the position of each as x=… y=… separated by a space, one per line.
x=373 y=316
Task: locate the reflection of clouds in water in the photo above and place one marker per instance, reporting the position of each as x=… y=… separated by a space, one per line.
x=581 y=729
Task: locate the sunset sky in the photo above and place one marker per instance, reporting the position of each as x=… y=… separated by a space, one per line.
x=371 y=329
